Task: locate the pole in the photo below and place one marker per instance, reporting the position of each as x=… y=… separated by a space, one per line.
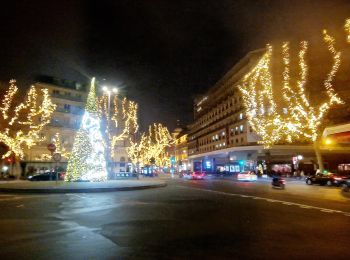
x=318 y=156
x=56 y=173
x=108 y=141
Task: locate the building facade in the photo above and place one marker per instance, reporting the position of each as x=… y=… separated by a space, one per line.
x=221 y=140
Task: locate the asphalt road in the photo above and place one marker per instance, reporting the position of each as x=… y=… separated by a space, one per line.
x=210 y=219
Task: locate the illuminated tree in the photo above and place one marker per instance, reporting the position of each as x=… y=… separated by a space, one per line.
x=87 y=160
x=300 y=121
x=151 y=147
x=160 y=140
x=138 y=151
x=21 y=124
x=121 y=122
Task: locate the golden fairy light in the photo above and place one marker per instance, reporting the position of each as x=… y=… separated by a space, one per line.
x=302 y=121
x=21 y=125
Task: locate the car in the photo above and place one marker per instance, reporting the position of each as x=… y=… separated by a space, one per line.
x=339 y=180
x=324 y=179
x=247 y=176
x=198 y=175
x=47 y=176
x=345 y=185
x=184 y=174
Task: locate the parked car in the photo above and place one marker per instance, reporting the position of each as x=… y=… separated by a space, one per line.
x=247 y=176
x=150 y=174
x=321 y=179
x=47 y=176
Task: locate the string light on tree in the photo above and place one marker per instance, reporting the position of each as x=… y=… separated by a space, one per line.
x=21 y=124
x=302 y=121
x=87 y=160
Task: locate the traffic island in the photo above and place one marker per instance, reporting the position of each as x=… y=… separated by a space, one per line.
x=78 y=187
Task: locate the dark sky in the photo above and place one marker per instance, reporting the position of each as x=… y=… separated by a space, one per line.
x=161 y=52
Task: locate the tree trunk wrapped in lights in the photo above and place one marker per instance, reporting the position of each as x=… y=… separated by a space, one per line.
x=21 y=124
x=87 y=160
x=300 y=121
x=121 y=122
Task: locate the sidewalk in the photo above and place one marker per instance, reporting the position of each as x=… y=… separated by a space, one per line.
x=78 y=187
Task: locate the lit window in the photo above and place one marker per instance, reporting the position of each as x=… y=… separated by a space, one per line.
x=285 y=110
x=223 y=133
x=241 y=116
x=241 y=128
x=224 y=144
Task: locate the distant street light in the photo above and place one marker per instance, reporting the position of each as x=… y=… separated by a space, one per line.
x=108 y=91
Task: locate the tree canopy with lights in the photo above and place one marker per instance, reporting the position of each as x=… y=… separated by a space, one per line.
x=22 y=123
x=121 y=122
x=151 y=147
x=87 y=160
x=300 y=120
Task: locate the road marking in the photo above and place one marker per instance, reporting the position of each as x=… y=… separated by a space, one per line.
x=76 y=195
x=304 y=206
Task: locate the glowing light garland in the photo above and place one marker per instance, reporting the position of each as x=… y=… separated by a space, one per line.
x=302 y=121
x=124 y=118
x=347 y=29
x=151 y=146
x=87 y=160
x=22 y=124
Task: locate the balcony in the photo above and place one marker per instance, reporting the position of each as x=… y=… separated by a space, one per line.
x=72 y=110
x=68 y=97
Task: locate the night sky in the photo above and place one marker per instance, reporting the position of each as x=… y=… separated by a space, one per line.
x=161 y=53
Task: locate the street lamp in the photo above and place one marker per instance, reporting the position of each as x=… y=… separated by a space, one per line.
x=109 y=91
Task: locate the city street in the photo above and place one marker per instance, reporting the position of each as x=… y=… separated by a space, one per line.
x=204 y=219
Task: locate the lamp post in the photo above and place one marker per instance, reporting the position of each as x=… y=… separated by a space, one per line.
x=109 y=91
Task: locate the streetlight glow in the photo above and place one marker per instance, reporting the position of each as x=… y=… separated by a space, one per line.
x=115 y=90
x=328 y=141
x=104 y=88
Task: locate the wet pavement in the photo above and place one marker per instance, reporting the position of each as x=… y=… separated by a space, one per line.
x=210 y=219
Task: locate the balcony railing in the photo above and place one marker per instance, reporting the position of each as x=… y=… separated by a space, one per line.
x=68 y=97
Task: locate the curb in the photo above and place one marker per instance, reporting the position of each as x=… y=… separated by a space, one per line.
x=79 y=190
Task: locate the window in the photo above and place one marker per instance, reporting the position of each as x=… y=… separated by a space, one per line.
x=241 y=116
x=67 y=107
x=56 y=92
x=241 y=128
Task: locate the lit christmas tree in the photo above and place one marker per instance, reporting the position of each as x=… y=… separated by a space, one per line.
x=87 y=161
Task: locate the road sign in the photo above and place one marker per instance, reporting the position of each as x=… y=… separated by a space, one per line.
x=51 y=147
x=57 y=157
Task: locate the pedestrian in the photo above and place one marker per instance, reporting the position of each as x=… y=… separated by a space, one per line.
x=302 y=175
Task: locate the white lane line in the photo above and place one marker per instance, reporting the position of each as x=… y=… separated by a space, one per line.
x=76 y=195
x=272 y=200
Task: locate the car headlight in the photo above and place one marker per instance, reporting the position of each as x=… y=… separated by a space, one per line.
x=29 y=177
